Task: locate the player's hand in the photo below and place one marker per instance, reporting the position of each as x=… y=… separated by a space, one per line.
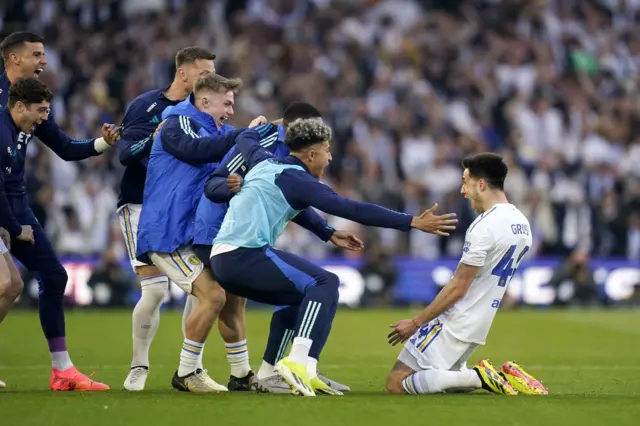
x=433 y=224
x=6 y=238
x=277 y=122
x=258 y=121
x=158 y=128
x=346 y=240
x=234 y=182
x=402 y=330
x=110 y=133
x=27 y=234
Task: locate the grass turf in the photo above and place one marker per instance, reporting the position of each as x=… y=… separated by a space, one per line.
x=587 y=359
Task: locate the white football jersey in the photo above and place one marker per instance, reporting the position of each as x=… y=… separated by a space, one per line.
x=496 y=242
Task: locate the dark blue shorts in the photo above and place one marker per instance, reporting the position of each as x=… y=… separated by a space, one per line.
x=266 y=275
x=39 y=257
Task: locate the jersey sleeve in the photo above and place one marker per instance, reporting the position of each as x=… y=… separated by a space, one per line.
x=215 y=188
x=303 y=190
x=312 y=221
x=248 y=142
x=179 y=139
x=233 y=162
x=476 y=246
x=65 y=147
x=135 y=141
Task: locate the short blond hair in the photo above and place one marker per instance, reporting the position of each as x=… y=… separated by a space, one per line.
x=218 y=84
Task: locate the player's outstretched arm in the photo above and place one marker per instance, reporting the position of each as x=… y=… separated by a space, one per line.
x=310 y=220
x=448 y=296
x=302 y=190
x=180 y=140
x=70 y=149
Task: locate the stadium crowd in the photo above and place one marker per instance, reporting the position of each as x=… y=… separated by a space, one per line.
x=410 y=87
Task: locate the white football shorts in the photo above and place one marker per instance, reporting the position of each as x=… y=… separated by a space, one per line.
x=182 y=266
x=129 y=216
x=433 y=348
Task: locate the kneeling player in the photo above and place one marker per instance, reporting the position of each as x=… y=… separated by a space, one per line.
x=444 y=335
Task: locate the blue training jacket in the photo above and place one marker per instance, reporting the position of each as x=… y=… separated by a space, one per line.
x=184 y=153
x=210 y=214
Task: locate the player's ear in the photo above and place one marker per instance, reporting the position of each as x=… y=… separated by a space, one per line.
x=13 y=57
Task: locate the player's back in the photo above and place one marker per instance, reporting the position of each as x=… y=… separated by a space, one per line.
x=258 y=214
x=496 y=242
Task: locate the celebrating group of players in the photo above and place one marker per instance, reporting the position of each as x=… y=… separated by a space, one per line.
x=202 y=204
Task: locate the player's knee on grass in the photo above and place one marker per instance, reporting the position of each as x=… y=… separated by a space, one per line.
x=398 y=373
x=394 y=383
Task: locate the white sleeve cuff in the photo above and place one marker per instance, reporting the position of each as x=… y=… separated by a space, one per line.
x=101 y=145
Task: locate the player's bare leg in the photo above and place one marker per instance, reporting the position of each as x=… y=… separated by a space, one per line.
x=211 y=299
x=403 y=379
x=233 y=329
x=10 y=287
x=145 y=322
x=10 y=284
x=396 y=376
x=190 y=302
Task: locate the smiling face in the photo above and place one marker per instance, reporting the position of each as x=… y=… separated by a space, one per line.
x=29 y=59
x=317 y=158
x=217 y=105
x=471 y=190
x=27 y=117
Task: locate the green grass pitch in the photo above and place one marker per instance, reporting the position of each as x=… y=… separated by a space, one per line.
x=587 y=359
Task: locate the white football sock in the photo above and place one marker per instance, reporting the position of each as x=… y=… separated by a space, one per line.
x=146 y=317
x=437 y=381
x=300 y=350
x=189 y=304
x=189 y=357
x=61 y=360
x=266 y=370
x=238 y=357
x=312 y=365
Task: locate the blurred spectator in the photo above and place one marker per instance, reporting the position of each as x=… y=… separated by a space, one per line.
x=573 y=281
x=111 y=284
x=379 y=273
x=410 y=87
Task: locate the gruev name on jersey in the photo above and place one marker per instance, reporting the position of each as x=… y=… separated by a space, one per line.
x=496 y=242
